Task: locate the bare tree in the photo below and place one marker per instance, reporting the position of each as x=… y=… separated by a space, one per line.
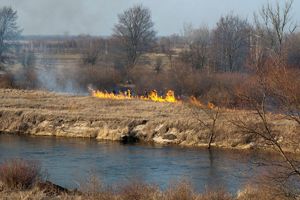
x=166 y=46
x=210 y=111
x=230 y=45
x=294 y=51
x=274 y=45
x=135 y=33
x=9 y=31
x=197 y=46
x=287 y=171
x=158 y=65
x=91 y=49
x=274 y=24
x=284 y=89
x=259 y=94
x=27 y=58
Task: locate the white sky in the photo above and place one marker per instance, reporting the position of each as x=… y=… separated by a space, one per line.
x=97 y=17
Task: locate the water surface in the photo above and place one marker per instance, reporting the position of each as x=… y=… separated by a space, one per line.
x=68 y=161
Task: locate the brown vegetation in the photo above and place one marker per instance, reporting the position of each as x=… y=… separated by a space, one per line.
x=236 y=65
x=20 y=174
x=44 y=113
x=135 y=190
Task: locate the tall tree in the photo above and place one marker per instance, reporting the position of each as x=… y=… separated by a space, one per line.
x=274 y=24
x=197 y=43
x=231 y=43
x=135 y=33
x=9 y=31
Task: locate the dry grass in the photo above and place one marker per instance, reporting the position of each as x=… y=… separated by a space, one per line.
x=44 y=113
x=93 y=189
x=180 y=190
x=262 y=192
x=138 y=190
x=141 y=191
x=20 y=174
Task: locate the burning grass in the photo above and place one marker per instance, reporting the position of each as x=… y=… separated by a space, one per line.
x=51 y=114
x=152 y=96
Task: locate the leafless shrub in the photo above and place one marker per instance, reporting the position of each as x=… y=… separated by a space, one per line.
x=210 y=111
x=258 y=94
x=180 y=190
x=100 y=77
x=20 y=174
x=158 y=65
x=93 y=188
x=6 y=81
x=220 y=89
x=33 y=194
x=90 y=49
x=263 y=192
x=137 y=190
x=25 y=78
x=215 y=195
x=284 y=89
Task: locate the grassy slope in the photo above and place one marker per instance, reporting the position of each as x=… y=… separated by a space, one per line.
x=44 y=113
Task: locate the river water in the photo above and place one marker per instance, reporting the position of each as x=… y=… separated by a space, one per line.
x=69 y=161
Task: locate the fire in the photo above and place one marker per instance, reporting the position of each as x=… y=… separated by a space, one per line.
x=198 y=103
x=111 y=95
x=152 y=96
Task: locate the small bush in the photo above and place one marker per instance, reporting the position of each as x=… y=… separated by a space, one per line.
x=215 y=195
x=20 y=174
x=180 y=191
x=93 y=188
x=6 y=81
x=136 y=190
x=262 y=192
x=25 y=78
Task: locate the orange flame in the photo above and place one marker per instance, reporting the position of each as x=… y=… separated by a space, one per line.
x=194 y=101
x=152 y=96
x=107 y=95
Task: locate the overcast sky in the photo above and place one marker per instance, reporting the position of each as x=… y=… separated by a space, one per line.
x=97 y=17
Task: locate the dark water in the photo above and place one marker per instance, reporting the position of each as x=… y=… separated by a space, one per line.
x=70 y=160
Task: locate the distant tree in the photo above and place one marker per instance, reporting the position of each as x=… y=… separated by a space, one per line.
x=274 y=24
x=9 y=31
x=231 y=43
x=197 y=43
x=167 y=45
x=27 y=59
x=91 y=49
x=135 y=33
x=294 y=51
x=158 y=65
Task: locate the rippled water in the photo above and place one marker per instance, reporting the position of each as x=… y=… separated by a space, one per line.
x=70 y=160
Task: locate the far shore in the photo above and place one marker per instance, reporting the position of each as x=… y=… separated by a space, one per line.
x=40 y=113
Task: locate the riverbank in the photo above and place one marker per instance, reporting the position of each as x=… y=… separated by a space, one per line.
x=136 y=190
x=42 y=113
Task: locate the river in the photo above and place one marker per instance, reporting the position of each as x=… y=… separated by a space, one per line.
x=69 y=161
